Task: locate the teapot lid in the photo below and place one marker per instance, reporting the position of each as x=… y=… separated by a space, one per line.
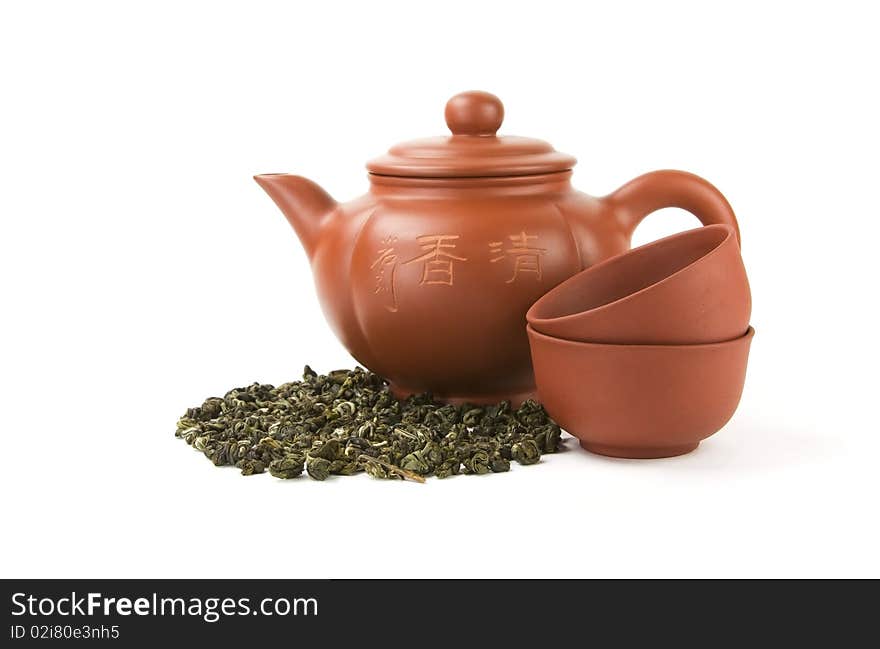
x=473 y=150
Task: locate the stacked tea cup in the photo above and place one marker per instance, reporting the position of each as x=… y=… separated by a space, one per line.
x=644 y=355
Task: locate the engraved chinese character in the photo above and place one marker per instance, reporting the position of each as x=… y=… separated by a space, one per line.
x=526 y=257
x=385 y=267
x=439 y=260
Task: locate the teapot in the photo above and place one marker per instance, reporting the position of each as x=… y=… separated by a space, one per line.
x=426 y=279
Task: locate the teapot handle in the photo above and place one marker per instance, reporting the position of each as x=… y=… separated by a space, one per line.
x=668 y=188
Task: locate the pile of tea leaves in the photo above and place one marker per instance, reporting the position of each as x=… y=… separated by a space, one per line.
x=348 y=421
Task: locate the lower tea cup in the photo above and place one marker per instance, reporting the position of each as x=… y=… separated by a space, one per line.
x=639 y=401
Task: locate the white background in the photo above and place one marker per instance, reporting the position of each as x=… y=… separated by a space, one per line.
x=143 y=270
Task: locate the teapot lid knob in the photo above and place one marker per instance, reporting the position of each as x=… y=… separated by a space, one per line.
x=474 y=113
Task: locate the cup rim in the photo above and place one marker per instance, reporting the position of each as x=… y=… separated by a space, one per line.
x=750 y=332
x=629 y=296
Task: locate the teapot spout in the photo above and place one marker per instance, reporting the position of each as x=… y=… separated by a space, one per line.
x=305 y=204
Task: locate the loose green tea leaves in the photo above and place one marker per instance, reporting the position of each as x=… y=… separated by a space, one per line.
x=348 y=421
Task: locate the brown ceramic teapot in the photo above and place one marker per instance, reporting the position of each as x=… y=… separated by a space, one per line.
x=426 y=279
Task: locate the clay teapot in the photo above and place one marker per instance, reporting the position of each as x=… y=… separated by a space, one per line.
x=426 y=279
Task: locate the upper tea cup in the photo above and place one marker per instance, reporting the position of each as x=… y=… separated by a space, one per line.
x=686 y=289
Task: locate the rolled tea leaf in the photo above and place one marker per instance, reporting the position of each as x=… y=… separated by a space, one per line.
x=348 y=421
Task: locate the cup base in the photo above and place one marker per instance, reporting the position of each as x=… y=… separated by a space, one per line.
x=639 y=452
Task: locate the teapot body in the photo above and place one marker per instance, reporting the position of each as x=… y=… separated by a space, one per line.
x=427 y=282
